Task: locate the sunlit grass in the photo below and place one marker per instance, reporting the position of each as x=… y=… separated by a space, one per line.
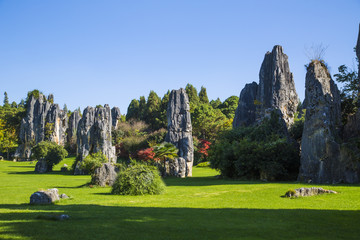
x=201 y=207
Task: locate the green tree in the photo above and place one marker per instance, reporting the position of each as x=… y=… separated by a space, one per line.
x=93 y=161
x=215 y=103
x=228 y=107
x=192 y=94
x=50 y=152
x=8 y=138
x=165 y=151
x=133 y=110
x=6 y=100
x=203 y=98
x=152 y=111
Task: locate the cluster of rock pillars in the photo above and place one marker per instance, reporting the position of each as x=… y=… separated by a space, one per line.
x=325 y=158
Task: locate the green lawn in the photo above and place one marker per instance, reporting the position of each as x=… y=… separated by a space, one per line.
x=201 y=207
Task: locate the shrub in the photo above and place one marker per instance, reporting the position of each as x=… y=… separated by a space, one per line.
x=50 y=152
x=257 y=152
x=138 y=179
x=93 y=161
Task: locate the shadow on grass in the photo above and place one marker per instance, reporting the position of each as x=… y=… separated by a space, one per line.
x=119 y=222
x=204 y=181
x=47 y=173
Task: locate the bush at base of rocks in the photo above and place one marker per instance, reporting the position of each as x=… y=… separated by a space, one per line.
x=138 y=179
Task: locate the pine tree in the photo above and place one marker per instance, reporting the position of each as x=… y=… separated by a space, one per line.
x=203 y=96
x=6 y=100
x=192 y=94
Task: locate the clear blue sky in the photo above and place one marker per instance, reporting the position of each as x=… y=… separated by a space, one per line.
x=89 y=52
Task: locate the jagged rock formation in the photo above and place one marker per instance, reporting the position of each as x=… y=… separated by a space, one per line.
x=116 y=115
x=104 y=175
x=245 y=113
x=45 y=197
x=41 y=166
x=177 y=167
x=276 y=90
x=180 y=129
x=56 y=125
x=44 y=121
x=94 y=133
x=320 y=151
x=72 y=130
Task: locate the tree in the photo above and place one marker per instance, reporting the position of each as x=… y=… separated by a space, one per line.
x=133 y=110
x=6 y=100
x=228 y=107
x=192 y=94
x=152 y=111
x=215 y=103
x=50 y=152
x=203 y=96
x=93 y=161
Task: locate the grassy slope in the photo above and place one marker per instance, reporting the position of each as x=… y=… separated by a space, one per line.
x=201 y=207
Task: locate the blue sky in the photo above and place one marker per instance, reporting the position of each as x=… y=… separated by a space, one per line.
x=89 y=52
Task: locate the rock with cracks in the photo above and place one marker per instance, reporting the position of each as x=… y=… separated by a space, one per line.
x=45 y=197
x=94 y=133
x=180 y=128
x=320 y=150
x=245 y=113
x=105 y=175
x=115 y=115
x=307 y=192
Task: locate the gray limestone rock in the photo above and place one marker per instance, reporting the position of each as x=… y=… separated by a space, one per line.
x=177 y=167
x=320 y=151
x=71 y=132
x=57 y=119
x=276 y=85
x=41 y=166
x=276 y=90
x=105 y=175
x=94 y=133
x=245 y=113
x=45 y=197
x=43 y=121
x=180 y=128
x=116 y=115
x=307 y=192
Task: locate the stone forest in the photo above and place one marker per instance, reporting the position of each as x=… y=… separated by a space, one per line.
x=264 y=141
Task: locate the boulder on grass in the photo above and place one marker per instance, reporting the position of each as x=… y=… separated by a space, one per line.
x=104 y=175
x=307 y=192
x=45 y=197
x=41 y=166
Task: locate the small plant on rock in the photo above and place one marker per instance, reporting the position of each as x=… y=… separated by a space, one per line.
x=92 y=162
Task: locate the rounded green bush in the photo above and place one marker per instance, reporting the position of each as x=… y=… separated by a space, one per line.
x=138 y=179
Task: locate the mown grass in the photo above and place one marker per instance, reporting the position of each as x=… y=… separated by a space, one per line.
x=201 y=207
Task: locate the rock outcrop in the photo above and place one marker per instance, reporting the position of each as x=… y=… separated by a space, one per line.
x=105 y=175
x=43 y=121
x=116 y=115
x=180 y=129
x=45 y=197
x=307 y=192
x=245 y=113
x=276 y=90
x=41 y=166
x=94 y=133
x=320 y=151
x=56 y=125
x=72 y=130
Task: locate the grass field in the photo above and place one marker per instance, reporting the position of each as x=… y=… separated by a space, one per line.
x=201 y=207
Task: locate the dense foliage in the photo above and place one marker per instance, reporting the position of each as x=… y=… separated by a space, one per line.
x=92 y=162
x=51 y=152
x=257 y=152
x=138 y=179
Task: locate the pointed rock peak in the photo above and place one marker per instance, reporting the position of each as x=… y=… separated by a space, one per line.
x=277 y=49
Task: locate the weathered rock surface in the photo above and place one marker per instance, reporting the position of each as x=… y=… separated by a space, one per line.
x=245 y=113
x=307 y=192
x=94 y=133
x=105 y=175
x=116 y=115
x=276 y=90
x=180 y=128
x=73 y=125
x=177 y=167
x=41 y=167
x=276 y=85
x=57 y=121
x=320 y=151
x=45 y=197
x=43 y=121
